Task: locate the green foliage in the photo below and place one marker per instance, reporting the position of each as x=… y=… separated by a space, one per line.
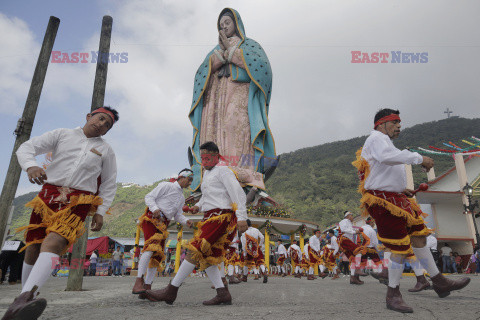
x=319 y=183
x=316 y=184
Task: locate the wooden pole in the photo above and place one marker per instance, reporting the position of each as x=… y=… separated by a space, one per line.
x=75 y=275
x=25 y=123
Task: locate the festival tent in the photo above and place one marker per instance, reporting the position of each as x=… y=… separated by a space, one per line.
x=101 y=244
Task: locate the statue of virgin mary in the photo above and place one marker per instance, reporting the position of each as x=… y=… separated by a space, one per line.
x=230 y=105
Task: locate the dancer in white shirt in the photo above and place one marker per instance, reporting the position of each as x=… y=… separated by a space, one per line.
x=253 y=243
x=349 y=248
x=231 y=261
x=164 y=203
x=223 y=204
x=282 y=255
x=314 y=255
x=295 y=254
x=371 y=253
x=398 y=217
x=79 y=182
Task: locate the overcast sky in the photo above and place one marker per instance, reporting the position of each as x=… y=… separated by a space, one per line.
x=318 y=94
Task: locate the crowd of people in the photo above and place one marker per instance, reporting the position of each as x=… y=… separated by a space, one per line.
x=69 y=195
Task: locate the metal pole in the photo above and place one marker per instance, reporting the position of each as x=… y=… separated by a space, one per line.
x=25 y=123
x=75 y=276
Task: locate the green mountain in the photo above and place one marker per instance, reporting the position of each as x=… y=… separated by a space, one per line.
x=317 y=183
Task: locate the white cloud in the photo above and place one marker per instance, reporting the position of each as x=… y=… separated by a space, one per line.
x=16 y=64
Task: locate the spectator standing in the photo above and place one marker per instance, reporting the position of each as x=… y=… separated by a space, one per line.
x=93 y=263
x=446 y=250
x=116 y=255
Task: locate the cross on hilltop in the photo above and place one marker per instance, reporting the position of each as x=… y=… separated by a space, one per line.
x=448 y=112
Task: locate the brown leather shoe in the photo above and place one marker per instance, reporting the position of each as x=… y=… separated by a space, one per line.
x=284 y=275
x=167 y=294
x=25 y=307
x=139 y=286
x=355 y=280
x=443 y=286
x=143 y=296
x=382 y=277
x=323 y=275
x=422 y=284
x=395 y=301
x=244 y=279
x=233 y=280
x=223 y=297
x=256 y=277
x=311 y=277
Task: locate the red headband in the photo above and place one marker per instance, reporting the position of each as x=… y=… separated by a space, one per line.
x=103 y=110
x=391 y=117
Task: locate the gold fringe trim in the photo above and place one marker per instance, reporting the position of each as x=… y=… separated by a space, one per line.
x=158 y=223
x=398 y=242
x=203 y=256
x=371 y=200
x=63 y=222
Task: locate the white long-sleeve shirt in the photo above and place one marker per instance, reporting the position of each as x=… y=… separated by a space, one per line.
x=334 y=244
x=314 y=243
x=168 y=197
x=305 y=251
x=387 y=170
x=372 y=234
x=220 y=189
x=282 y=250
x=296 y=248
x=432 y=243
x=254 y=233
x=346 y=227
x=74 y=163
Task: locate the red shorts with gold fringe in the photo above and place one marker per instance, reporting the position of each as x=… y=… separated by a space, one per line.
x=295 y=257
x=313 y=257
x=61 y=210
x=371 y=254
x=281 y=260
x=349 y=248
x=155 y=234
x=231 y=256
x=212 y=237
x=251 y=261
x=397 y=218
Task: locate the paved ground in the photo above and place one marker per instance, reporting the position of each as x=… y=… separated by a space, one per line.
x=281 y=298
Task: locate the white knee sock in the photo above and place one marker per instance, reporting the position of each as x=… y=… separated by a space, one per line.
x=395 y=270
x=221 y=266
x=245 y=271
x=262 y=268
x=183 y=272
x=26 y=269
x=150 y=275
x=283 y=269
x=215 y=276
x=310 y=270
x=322 y=268
x=297 y=269
x=236 y=269
x=143 y=263
x=255 y=271
x=358 y=261
x=424 y=256
x=352 y=268
x=230 y=270
x=41 y=270
x=386 y=258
